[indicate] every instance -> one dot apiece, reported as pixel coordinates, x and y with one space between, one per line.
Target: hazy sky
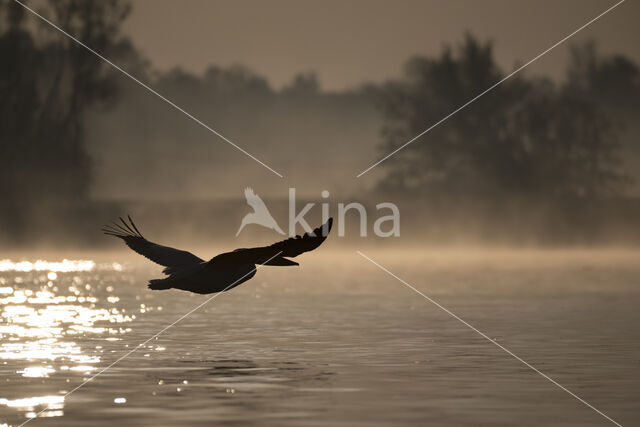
355 41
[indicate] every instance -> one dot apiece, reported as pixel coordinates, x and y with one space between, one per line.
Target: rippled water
333 341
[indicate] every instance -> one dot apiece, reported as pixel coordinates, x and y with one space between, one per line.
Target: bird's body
203 279
188 272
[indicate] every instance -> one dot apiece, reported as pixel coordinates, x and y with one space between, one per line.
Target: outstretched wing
163 255
255 201
286 248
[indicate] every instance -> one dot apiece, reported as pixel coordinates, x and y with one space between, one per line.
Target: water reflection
32 405
65 265
231 375
44 305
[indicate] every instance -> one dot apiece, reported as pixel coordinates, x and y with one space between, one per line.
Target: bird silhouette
260 214
188 272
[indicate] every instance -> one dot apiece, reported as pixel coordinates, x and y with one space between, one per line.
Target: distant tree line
62 111
530 137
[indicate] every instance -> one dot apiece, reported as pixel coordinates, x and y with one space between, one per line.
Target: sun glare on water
44 305
63 266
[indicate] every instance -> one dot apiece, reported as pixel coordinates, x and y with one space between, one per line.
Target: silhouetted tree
303 84
47 84
613 81
526 138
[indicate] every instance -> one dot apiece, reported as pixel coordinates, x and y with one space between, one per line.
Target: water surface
333 341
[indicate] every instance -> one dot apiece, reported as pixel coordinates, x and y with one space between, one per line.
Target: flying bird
188 272
260 214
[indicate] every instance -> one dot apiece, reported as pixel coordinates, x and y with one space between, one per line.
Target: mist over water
538 161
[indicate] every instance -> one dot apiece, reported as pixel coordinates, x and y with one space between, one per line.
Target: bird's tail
159 284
